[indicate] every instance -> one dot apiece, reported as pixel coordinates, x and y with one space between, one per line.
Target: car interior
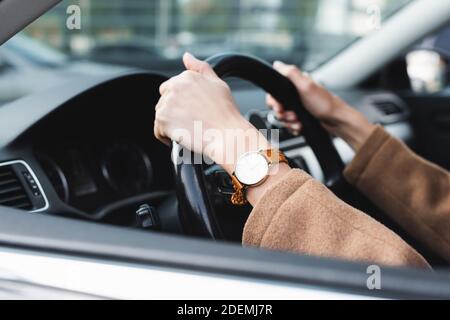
85 151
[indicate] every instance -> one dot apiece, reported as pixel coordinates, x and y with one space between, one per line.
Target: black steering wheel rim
197 212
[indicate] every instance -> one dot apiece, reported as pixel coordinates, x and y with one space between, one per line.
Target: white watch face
252 168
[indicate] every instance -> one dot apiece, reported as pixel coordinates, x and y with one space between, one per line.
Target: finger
284 67
293 128
289 117
169 84
159 135
289 71
163 87
280 112
302 80
194 64
274 104
296 126
161 102
158 129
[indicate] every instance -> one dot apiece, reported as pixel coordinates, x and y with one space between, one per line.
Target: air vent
388 108
19 187
12 192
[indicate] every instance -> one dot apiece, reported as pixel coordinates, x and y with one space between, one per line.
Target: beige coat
300 215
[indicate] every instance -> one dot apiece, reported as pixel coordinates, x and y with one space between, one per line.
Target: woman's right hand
336 116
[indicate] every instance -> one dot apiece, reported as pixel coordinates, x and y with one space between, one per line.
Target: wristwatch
252 170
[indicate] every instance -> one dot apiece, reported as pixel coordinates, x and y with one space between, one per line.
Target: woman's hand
336 116
198 111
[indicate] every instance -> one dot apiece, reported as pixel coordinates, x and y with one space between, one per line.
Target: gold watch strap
275 156
239 197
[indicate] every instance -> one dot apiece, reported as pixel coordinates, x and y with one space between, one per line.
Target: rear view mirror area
427 71
428 63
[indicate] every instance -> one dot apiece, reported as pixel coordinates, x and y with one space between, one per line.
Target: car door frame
71 239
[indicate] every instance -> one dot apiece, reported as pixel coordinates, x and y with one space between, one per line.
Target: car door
104 261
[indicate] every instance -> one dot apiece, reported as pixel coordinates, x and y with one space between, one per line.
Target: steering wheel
196 210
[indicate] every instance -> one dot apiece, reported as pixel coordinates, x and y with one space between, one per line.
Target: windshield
35 51
155 33
78 38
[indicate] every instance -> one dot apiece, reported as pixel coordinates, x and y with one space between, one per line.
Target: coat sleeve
412 191
300 215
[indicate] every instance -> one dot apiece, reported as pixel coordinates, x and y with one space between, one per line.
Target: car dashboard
91 149
88 150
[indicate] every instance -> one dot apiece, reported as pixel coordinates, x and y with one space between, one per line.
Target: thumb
193 64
